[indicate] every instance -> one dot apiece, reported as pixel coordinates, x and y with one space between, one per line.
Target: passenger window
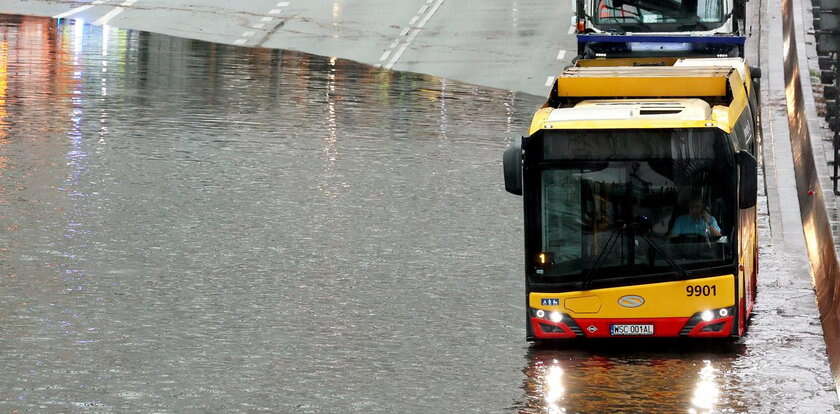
744 130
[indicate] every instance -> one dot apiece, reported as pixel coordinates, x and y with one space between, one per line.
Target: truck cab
683 19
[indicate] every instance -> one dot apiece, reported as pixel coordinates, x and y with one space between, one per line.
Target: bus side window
738 134
744 130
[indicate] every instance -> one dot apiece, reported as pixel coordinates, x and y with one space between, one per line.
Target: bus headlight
551 315
708 318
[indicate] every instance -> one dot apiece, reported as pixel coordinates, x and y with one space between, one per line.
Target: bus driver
698 222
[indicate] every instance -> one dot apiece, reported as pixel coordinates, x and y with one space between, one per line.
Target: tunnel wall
815 224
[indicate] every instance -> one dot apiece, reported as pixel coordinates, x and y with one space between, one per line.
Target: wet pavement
191 227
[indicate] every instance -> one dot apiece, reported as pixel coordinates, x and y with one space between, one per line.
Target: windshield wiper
636 26
694 26
674 265
615 235
642 228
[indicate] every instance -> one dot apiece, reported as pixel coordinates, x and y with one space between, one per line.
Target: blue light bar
719 40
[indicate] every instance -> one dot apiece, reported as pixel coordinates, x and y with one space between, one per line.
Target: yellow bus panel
657 300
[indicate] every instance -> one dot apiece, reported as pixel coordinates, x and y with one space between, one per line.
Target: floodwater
190 227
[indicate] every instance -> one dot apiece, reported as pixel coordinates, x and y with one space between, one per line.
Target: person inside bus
698 222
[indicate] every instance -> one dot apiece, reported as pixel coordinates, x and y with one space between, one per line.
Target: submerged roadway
196 227
490 43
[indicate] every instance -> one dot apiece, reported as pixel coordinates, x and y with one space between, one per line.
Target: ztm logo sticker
631 301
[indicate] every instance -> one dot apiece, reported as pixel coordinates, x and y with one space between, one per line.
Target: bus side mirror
512 160
755 72
748 181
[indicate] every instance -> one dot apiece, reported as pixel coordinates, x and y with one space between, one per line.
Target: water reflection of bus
639 187
633 378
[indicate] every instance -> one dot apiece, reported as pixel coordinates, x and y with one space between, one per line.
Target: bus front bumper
696 326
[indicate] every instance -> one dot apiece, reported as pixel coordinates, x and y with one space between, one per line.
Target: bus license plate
631 330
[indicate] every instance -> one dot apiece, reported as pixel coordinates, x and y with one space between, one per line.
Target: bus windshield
633 202
658 15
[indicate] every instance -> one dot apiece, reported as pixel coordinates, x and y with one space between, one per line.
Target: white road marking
549 81
429 12
77 10
384 55
429 16
561 54
72 12
572 29
113 13
243 39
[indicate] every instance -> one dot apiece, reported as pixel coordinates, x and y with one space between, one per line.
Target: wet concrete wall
815 224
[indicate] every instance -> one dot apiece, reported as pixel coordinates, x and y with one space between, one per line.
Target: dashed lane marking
248 35
113 13
407 35
80 9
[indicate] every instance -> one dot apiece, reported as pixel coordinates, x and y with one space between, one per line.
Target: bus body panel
681 298
671 309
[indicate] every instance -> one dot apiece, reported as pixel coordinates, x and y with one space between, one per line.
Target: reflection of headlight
555 316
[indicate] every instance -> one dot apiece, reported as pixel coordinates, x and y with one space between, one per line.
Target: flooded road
191 227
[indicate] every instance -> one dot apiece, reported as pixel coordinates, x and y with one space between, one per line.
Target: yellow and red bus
639 186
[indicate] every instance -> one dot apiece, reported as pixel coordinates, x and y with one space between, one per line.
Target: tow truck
618 28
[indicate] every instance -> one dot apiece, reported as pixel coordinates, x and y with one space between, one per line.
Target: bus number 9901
701 290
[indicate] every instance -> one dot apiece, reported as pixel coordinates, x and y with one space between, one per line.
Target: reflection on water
553 387
626 377
195 227
706 392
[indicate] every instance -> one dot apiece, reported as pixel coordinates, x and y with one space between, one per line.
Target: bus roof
586 91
